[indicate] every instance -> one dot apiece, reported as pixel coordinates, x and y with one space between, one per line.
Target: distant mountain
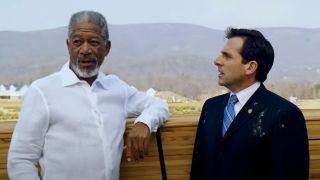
165 56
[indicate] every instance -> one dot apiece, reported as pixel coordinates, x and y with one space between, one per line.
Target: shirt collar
244 95
103 80
70 78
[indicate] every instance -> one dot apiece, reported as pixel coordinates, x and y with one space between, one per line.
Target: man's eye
76 42
227 56
95 43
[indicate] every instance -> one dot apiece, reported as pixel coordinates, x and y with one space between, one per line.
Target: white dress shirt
75 130
244 95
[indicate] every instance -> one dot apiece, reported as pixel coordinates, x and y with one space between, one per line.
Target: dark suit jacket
267 140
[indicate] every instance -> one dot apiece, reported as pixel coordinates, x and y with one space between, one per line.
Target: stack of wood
177 137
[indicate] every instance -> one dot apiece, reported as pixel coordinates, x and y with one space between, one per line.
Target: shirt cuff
149 121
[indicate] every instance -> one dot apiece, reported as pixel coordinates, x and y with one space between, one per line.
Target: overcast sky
25 15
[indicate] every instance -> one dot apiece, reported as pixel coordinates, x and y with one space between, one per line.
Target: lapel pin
250 111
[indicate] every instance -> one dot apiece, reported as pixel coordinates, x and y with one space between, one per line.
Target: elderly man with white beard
72 122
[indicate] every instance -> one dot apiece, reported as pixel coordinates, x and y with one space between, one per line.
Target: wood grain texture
177 136
149 168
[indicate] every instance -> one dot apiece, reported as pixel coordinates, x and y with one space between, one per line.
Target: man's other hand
137 142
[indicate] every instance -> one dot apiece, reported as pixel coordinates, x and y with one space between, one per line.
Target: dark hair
255 48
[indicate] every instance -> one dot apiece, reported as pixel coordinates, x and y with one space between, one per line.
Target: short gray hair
92 17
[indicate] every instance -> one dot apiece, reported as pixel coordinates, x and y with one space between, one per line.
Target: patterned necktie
229 113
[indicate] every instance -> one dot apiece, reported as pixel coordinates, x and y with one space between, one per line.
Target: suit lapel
215 117
253 106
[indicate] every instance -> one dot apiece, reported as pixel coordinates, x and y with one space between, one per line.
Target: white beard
85 73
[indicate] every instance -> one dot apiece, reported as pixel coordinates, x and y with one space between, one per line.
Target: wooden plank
177 142
149 168
311 113
182 121
313 127
315 175
177 136
7 126
4 174
314 149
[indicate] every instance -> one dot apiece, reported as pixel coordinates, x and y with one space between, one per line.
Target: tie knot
233 99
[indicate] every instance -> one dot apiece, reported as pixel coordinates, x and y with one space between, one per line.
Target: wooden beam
177 136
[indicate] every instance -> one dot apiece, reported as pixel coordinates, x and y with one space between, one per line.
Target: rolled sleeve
149 110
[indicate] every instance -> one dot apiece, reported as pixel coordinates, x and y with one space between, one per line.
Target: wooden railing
177 137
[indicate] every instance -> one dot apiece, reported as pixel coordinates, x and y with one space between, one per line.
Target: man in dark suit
249 133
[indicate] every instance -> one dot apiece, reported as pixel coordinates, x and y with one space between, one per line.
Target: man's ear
107 47
68 44
251 67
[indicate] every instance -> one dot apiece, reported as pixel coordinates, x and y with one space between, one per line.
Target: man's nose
217 61
86 49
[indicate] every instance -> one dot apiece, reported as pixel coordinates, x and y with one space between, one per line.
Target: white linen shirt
75 130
